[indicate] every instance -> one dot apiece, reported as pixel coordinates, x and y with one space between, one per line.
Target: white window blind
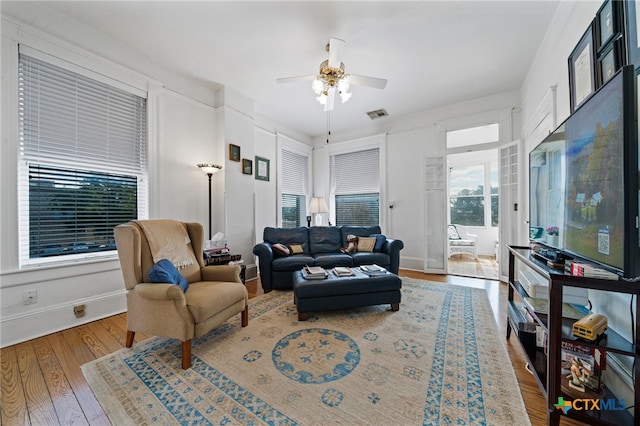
295 171
355 183
82 169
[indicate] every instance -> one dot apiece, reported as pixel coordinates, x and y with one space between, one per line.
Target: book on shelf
582 365
373 270
343 271
580 269
569 310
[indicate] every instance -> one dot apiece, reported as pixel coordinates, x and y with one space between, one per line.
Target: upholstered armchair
214 293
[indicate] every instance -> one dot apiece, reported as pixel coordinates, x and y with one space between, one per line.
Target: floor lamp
210 170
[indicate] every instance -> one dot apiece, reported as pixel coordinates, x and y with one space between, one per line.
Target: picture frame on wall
247 166
610 61
234 152
582 76
607 24
632 23
262 168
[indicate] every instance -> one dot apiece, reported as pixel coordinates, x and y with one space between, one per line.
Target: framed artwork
607 25
632 23
234 152
582 77
610 61
247 167
262 168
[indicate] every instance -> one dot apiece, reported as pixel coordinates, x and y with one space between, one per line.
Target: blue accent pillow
165 272
380 240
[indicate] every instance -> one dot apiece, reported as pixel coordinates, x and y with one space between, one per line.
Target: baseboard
26 326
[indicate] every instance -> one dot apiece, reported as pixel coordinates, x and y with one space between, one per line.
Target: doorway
472 214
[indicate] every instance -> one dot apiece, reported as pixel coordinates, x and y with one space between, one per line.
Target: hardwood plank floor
42 383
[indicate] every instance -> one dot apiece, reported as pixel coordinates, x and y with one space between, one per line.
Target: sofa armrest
392 248
265 257
227 273
159 291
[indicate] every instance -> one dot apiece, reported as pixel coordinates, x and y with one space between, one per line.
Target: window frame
285 143
23 205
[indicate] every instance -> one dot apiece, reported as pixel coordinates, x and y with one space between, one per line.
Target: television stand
545 364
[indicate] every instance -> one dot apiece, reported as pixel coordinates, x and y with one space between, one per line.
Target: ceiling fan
331 78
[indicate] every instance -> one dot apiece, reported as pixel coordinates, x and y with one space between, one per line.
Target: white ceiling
432 53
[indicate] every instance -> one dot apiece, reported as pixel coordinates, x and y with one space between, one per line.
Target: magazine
343 271
373 270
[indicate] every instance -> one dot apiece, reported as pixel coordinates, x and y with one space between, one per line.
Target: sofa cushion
292 263
358 231
286 236
295 248
280 249
324 239
366 243
380 240
377 258
330 260
164 271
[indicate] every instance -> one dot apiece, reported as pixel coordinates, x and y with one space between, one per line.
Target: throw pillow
296 248
280 249
165 272
380 240
366 243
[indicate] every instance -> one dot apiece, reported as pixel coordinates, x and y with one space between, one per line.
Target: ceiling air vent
379 113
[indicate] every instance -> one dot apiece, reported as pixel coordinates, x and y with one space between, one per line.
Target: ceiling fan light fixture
343 84
322 99
345 96
317 86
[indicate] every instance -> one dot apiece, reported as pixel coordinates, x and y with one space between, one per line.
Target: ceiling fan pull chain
328 125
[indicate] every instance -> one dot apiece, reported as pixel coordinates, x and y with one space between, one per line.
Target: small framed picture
234 152
247 167
262 168
582 77
610 61
607 24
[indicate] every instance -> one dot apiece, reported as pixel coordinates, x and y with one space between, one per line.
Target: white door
509 204
435 202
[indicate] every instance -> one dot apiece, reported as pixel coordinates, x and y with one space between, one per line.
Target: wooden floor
42 383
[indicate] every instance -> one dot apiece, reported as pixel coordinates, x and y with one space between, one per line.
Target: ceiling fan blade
335 52
361 80
296 79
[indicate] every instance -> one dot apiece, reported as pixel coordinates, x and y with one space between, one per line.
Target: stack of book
314 273
343 271
373 270
580 269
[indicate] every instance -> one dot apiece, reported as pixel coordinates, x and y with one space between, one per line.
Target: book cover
342 271
569 310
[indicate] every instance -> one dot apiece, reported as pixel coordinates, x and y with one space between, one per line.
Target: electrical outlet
78 311
30 297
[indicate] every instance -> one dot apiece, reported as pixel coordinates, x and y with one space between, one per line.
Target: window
355 183
469 203
295 170
82 167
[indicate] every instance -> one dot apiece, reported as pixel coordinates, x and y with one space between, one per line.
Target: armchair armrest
160 291
228 273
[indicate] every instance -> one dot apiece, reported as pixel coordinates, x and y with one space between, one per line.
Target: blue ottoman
336 292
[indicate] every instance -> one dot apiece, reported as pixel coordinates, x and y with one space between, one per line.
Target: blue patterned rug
439 360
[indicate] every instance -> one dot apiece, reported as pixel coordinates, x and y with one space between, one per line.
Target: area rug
439 360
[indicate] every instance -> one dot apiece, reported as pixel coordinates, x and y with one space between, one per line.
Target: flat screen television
583 181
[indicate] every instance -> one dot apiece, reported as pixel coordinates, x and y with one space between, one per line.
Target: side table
225 259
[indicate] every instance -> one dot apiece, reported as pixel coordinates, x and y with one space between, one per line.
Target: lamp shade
209 169
318 205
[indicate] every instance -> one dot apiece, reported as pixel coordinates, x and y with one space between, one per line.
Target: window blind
295 171
82 168
355 181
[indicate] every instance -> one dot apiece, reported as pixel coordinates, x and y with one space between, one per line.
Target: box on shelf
538 288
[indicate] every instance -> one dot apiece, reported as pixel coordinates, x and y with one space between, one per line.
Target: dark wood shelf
547 366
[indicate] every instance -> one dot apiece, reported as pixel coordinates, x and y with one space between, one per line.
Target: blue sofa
321 247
